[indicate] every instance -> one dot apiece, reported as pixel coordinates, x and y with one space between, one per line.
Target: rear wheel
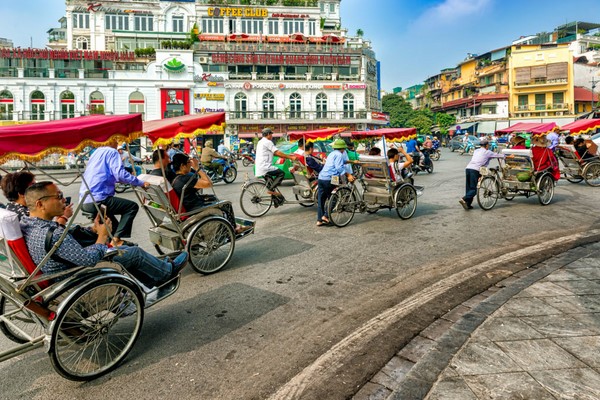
429 167
435 155
487 193
22 321
254 200
545 189
96 329
340 207
230 175
591 174
210 245
405 199
246 162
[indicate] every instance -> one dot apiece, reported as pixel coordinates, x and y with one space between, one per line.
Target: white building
282 66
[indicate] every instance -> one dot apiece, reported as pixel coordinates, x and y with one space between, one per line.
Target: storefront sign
207 110
209 78
77 55
237 12
174 102
210 96
280 15
379 116
347 86
215 84
174 65
332 86
137 12
279 59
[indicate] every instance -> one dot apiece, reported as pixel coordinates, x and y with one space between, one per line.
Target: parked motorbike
229 172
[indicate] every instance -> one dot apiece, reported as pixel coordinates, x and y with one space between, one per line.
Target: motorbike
416 166
229 172
248 159
468 148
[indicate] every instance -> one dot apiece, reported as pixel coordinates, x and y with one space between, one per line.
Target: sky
413 39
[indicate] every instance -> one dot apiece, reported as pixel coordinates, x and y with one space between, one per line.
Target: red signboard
379 116
67 54
174 102
279 59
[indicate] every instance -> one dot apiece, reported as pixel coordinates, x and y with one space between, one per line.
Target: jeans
146 268
471 185
127 209
274 178
323 194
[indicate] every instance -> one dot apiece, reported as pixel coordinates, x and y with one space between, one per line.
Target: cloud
452 11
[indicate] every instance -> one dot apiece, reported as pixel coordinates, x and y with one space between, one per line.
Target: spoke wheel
254 200
405 199
304 202
357 170
591 173
435 156
23 320
211 244
230 175
96 329
429 168
545 189
487 193
340 207
246 162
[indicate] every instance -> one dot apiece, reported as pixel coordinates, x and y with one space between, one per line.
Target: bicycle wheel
96 328
545 189
357 170
22 320
405 199
246 162
230 175
340 207
487 193
435 155
211 244
591 174
254 200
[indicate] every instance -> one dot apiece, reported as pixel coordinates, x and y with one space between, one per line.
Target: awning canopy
32 142
391 134
582 126
311 136
534 128
486 127
163 131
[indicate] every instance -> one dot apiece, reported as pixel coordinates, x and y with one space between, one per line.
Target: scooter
416 166
248 159
229 172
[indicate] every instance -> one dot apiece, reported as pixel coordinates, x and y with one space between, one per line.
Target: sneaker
178 263
464 204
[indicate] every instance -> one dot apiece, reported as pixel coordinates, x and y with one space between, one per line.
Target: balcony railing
542 81
36 73
298 115
96 73
542 107
67 73
275 47
8 72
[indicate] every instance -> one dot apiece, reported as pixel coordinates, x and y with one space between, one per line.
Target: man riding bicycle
265 150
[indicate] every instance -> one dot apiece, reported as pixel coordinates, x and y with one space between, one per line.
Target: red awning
211 38
310 136
534 128
391 134
298 37
32 142
582 126
163 131
332 39
278 39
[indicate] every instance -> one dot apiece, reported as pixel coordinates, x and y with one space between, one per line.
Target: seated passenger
543 158
586 149
45 201
518 143
192 197
375 151
14 186
313 161
398 168
159 157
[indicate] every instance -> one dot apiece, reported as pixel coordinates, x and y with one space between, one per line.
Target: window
116 22
177 23
241 105
321 105
295 105
81 20
293 26
273 26
558 100
252 26
67 105
212 25
268 100
312 27
136 103
144 23
38 106
348 102
523 102
540 101
81 43
331 7
6 105
96 105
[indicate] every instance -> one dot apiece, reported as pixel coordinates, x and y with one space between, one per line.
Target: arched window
81 43
96 105
38 106
136 103
241 105
268 103
295 105
321 105
67 104
6 105
348 105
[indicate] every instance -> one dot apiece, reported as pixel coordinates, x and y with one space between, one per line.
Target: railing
276 47
543 81
242 77
66 73
96 73
298 115
36 73
542 107
8 72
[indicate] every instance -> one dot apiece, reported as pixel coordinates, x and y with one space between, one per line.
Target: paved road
293 291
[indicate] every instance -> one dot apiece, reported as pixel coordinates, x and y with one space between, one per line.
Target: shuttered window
558 70
522 75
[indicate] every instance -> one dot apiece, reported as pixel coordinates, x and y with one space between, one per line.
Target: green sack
524 176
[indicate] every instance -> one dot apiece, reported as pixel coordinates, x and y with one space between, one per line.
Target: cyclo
576 169
90 319
376 189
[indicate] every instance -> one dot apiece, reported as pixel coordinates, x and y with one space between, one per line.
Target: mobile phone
103 210
68 200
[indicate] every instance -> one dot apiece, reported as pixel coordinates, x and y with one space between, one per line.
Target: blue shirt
335 165
103 171
411 146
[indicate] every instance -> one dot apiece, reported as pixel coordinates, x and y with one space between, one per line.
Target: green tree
359 32
399 110
422 122
444 121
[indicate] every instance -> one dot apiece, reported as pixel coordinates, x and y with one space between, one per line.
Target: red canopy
535 128
32 142
582 126
298 37
163 131
311 136
391 134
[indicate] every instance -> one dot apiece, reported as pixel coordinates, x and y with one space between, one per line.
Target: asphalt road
294 291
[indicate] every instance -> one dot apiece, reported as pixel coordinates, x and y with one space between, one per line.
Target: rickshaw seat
10 232
376 175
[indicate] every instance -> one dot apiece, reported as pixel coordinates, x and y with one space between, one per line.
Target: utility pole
594 84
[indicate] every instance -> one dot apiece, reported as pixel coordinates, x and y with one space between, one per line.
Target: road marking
322 368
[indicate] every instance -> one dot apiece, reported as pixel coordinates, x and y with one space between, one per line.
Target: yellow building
540 80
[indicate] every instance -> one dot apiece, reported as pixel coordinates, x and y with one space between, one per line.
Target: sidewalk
535 335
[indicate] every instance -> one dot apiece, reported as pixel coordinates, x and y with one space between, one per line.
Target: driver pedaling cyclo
265 150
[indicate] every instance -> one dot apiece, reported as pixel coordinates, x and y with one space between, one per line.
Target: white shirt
264 157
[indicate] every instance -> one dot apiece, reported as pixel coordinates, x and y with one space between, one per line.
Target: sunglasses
58 196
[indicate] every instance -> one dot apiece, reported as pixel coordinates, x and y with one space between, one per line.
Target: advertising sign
174 102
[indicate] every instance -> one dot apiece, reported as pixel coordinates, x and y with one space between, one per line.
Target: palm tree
359 32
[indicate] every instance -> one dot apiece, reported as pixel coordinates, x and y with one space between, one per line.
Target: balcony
36 73
67 73
542 82
96 73
325 116
8 72
332 49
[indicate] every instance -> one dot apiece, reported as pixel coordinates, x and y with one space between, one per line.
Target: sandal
321 223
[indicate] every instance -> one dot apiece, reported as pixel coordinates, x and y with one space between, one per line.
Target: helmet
123 146
208 143
221 141
339 144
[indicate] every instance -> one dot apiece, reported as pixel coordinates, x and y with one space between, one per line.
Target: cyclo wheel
573 178
254 200
591 174
304 202
545 189
487 193
405 199
230 175
340 207
22 319
357 170
96 328
211 244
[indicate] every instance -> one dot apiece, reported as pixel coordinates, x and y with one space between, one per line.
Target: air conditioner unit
203 60
361 127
